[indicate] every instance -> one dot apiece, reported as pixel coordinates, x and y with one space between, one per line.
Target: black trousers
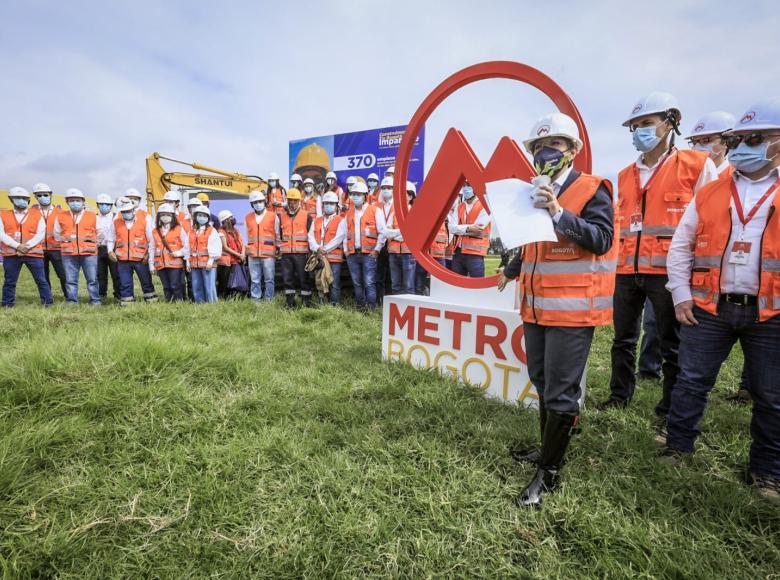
54 258
631 290
383 282
106 267
294 274
557 356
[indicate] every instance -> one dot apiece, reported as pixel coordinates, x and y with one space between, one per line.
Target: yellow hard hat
312 156
203 196
294 194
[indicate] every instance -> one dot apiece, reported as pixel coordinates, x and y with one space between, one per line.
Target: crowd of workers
691 239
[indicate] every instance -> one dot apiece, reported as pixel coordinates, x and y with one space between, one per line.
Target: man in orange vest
326 238
76 231
471 230
293 243
400 258
362 246
724 276
653 193
384 206
262 230
566 291
22 230
51 248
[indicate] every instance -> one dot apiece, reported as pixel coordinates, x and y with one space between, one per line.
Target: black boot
290 300
533 454
307 300
557 434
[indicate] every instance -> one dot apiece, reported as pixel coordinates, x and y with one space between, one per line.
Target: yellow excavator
219 184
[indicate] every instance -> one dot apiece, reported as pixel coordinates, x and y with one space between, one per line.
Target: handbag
239 278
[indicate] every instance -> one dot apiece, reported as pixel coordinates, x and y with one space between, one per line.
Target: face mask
296 184
372 184
467 192
645 139
329 209
76 205
273 183
357 200
706 147
308 189
21 203
202 219
104 208
44 199
549 161
128 215
259 206
387 194
749 159
330 181
165 219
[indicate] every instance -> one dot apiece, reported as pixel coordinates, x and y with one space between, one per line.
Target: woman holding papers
566 291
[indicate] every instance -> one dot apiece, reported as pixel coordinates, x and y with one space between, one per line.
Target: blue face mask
259 206
357 200
372 183
645 139
750 159
128 215
467 192
76 205
104 208
202 219
329 209
549 161
44 200
20 202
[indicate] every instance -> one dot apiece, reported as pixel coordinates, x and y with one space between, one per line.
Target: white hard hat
387 182
132 192
73 192
330 175
124 204
104 198
225 214
373 176
193 201
655 102
41 188
553 125
713 123
166 208
351 180
308 181
273 175
330 197
202 209
256 196
19 192
390 169
762 115
360 187
411 187
295 177
172 196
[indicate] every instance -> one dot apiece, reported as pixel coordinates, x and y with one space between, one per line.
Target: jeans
362 270
650 349
12 267
703 348
402 267
54 258
334 294
261 274
104 268
383 282
468 264
204 285
172 280
126 269
631 291
73 264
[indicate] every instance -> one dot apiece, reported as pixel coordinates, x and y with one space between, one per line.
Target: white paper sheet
514 215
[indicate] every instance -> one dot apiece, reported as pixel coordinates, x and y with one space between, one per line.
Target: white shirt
213 245
21 217
183 253
458 229
385 219
735 278
708 173
103 223
556 187
315 237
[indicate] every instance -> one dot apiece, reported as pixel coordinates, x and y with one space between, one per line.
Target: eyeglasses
751 140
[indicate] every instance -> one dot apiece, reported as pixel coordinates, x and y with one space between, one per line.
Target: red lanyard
650 181
738 203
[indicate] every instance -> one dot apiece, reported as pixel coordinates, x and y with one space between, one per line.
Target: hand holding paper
512 208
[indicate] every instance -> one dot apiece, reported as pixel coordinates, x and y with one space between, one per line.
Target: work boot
767 487
307 302
558 431
533 454
290 300
659 427
612 404
673 457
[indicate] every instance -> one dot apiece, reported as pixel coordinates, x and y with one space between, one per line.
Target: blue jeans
126 269
650 350
204 284
362 269
703 348
261 274
173 283
335 288
402 267
12 267
468 265
72 265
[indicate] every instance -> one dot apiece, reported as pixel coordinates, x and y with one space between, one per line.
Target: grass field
239 441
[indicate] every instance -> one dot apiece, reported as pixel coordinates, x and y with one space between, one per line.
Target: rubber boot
290 300
557 433
533 454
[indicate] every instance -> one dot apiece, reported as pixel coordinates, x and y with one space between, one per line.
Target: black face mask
549 161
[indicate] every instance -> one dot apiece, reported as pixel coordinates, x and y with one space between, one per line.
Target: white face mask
387 194
308 189
166 219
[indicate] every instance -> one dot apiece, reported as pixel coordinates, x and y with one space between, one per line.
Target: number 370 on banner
354 162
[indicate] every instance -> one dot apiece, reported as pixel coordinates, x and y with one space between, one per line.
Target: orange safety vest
310 205
21 232
261 235
394 246
276 195
713 204
438 249
476 245
294 234
131 245
184 221
562 283
49 243
199 246
163 256
228 259
372 197
367 227
659 206
78 239
325 237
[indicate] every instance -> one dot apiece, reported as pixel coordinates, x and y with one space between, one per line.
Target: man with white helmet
362 246
277 195
233 253
707 135
400 258
311 202
326 238
104 220
135 198
262 230
372 181
724 276
653 193
470 227
384 284
76 231
22 231
51 247
566 291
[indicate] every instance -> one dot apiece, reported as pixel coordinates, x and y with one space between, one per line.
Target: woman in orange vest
362 246
277 195
233 252
51 247
128 245
566 291
170 250
326 238
76 231
262 229
332 185
724 276
471 235
22 230
293 243
311 201
205 250
653 193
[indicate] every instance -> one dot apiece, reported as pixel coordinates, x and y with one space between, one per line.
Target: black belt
741 299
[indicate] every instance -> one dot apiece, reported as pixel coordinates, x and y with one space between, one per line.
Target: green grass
239 441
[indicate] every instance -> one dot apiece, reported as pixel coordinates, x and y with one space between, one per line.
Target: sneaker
766 486
612 404
673 457
660 431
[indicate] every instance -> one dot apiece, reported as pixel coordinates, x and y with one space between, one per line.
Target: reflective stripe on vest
367 227
472 244
131 245
395 246
438 247
78 239
326 236
261 236
49 242
163 258
294 236
21 232
199 247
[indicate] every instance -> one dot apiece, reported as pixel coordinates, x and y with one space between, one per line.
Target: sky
89 89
